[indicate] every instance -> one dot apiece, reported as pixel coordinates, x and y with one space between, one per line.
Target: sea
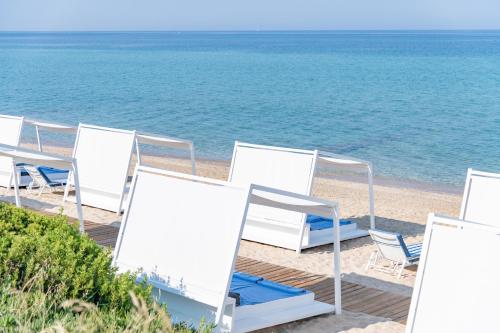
422 106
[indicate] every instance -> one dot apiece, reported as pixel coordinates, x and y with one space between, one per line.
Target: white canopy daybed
456 288
23 155
291 170
104 156
183 233
10 134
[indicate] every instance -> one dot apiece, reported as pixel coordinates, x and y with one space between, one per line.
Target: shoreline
398 183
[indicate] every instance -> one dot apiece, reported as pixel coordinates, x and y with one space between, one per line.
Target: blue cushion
48 173
414 250
319 223
256 290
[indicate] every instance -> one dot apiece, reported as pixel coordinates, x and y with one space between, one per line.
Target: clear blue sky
248 14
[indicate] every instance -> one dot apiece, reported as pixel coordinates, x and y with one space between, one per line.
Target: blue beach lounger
392 247
45 177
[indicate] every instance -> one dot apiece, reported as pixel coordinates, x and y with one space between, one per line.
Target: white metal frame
93 194
50 127
23 155
265 230
6 175
456 288
165 141
193 300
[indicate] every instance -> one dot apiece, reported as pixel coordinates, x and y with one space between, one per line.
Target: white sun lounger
291 170
165 141
104 156
481 199
183 233
393 248
23 155
10 134
457 289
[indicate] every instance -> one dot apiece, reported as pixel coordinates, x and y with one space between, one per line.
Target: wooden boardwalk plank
355 297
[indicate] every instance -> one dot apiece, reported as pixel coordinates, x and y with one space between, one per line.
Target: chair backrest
281 168
10 134
183 232
390 245
104 156
481 199
456 288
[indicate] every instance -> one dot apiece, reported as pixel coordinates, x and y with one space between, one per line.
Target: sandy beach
397 209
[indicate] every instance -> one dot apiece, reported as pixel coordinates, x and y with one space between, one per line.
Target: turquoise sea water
420 105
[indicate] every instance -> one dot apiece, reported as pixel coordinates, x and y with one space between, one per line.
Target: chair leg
372 260
401 270
41 190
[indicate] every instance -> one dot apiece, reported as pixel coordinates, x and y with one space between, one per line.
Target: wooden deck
355 297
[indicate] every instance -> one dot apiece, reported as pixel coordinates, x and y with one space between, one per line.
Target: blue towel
319 223
256 290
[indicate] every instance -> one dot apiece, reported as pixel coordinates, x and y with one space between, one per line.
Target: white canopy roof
480 202
165 141
457 286
53 127
104 156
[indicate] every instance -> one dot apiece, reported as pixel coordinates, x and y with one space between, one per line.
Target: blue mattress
319 223
49 170
253 290
54 176
51 175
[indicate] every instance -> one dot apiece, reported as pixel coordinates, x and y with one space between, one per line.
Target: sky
50 15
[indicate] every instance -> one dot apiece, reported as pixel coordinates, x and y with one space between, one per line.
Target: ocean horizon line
252 30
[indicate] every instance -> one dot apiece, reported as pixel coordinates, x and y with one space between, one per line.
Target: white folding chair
392 248
42 181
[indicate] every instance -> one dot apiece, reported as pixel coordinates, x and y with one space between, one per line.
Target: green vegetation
54 279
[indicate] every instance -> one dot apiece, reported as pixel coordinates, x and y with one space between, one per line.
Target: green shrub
52 253
45 261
